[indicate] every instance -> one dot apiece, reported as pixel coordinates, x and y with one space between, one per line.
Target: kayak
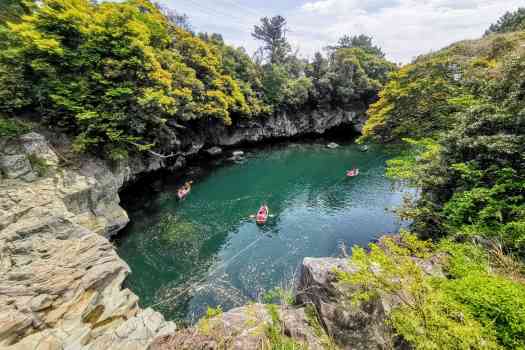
262 215
352 173
183 192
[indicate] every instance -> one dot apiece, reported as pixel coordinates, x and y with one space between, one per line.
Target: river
207 251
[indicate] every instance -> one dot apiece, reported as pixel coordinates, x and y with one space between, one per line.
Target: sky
403 28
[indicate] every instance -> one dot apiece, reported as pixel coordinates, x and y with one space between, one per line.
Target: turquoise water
207 251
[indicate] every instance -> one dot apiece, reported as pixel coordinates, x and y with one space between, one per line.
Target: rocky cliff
60 278
289 125
190 139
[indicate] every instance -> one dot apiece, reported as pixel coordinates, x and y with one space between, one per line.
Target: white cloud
404 28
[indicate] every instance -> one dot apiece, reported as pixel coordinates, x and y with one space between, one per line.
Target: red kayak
352 173
262 215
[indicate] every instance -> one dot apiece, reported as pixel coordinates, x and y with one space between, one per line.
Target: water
206 251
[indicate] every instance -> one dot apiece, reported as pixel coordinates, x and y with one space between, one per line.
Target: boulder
332 145
37 145
214 151
238 154
15 166
351 326
239 329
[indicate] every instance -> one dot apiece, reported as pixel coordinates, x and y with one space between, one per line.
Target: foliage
13 10
509 22
361 41
426 317
416 157
272 32
415 102
117 75
422 98
114 73
39 165
355 73
466 132
496 301
283 296
12 127
213 312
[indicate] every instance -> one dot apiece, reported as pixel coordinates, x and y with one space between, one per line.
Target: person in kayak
184 190
262 214
352 173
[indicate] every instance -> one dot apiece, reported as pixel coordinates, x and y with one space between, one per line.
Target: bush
12 127
113 74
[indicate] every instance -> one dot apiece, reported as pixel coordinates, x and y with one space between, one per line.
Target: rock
60 278
214 151
37 145
352 327
284 125
237 154
239 329
332 145
15 166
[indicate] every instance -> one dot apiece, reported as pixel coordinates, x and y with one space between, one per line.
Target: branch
153 153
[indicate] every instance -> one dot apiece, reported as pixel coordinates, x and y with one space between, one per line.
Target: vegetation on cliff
460 115
117 74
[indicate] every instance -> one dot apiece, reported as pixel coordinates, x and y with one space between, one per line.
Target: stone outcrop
285 125
60 277
351 326
242 328
205 136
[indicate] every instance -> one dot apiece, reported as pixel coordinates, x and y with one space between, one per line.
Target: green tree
272 32
509 22
360 41
112 74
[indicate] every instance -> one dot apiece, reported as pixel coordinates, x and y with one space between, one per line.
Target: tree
272 32
175 18
12 10
361 41
509 22
113 74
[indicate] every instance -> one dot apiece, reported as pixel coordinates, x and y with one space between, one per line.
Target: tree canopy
115 75
509 22
272 32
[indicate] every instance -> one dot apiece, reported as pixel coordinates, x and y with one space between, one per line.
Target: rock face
60 277
288 125
242 328
352 327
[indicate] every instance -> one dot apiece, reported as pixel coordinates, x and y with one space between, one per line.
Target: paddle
253 216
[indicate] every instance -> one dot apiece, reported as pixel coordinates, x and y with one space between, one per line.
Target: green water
207 251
